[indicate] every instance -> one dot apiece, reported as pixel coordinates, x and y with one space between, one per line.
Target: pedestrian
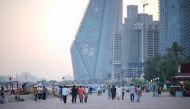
64 94
86 91
74 94
159 91
118 92
2 93
90 90
123 92
60 93
138 93
132 92
80 94
35 93
113 92
39 92
44 93
98 91
109 91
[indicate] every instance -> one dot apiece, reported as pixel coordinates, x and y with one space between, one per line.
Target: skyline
35 36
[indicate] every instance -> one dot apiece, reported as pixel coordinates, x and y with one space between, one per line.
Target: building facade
91 50
142 36
174 24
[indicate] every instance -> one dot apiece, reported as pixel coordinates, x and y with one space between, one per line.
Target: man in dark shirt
113 92
74 94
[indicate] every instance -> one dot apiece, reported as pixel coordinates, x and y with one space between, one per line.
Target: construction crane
144 3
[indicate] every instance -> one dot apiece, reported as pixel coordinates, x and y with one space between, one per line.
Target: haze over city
36 35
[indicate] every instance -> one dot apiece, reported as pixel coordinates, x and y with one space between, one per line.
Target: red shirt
80 91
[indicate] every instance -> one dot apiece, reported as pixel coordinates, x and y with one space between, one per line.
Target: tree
186 60
139 82
152 68
175 51
168 68
165 66
160 66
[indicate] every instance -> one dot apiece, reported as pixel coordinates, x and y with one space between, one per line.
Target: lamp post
63 82
16 76
158 88
158 80
11 85
151 85
154 88
10 78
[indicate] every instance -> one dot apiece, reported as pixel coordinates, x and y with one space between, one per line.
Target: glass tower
174 24
91 50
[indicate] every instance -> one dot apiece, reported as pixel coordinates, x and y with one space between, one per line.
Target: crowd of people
81 91
40 93
114 92
117 92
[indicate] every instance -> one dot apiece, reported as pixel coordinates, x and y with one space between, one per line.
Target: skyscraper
139 29
174 24
91 51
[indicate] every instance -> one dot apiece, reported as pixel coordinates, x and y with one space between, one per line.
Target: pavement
165 101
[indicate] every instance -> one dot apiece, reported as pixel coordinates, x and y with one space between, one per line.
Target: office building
142 36
174 24
92 48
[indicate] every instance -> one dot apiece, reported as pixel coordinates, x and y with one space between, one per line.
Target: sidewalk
101 102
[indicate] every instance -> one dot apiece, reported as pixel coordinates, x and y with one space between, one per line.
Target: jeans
2 99
64 98
138 98
81 99
132 97
123 95
74 97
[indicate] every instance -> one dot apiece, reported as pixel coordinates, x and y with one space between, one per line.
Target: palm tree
187 59
175 51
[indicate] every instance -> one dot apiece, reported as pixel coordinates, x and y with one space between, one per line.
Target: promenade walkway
102 102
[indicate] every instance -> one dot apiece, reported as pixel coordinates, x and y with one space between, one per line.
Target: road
102 102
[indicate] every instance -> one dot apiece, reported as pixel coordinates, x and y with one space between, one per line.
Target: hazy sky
36 35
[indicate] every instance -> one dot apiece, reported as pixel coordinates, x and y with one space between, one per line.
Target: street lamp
10 78
11 85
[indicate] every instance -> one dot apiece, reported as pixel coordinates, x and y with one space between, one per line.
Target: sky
36 35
